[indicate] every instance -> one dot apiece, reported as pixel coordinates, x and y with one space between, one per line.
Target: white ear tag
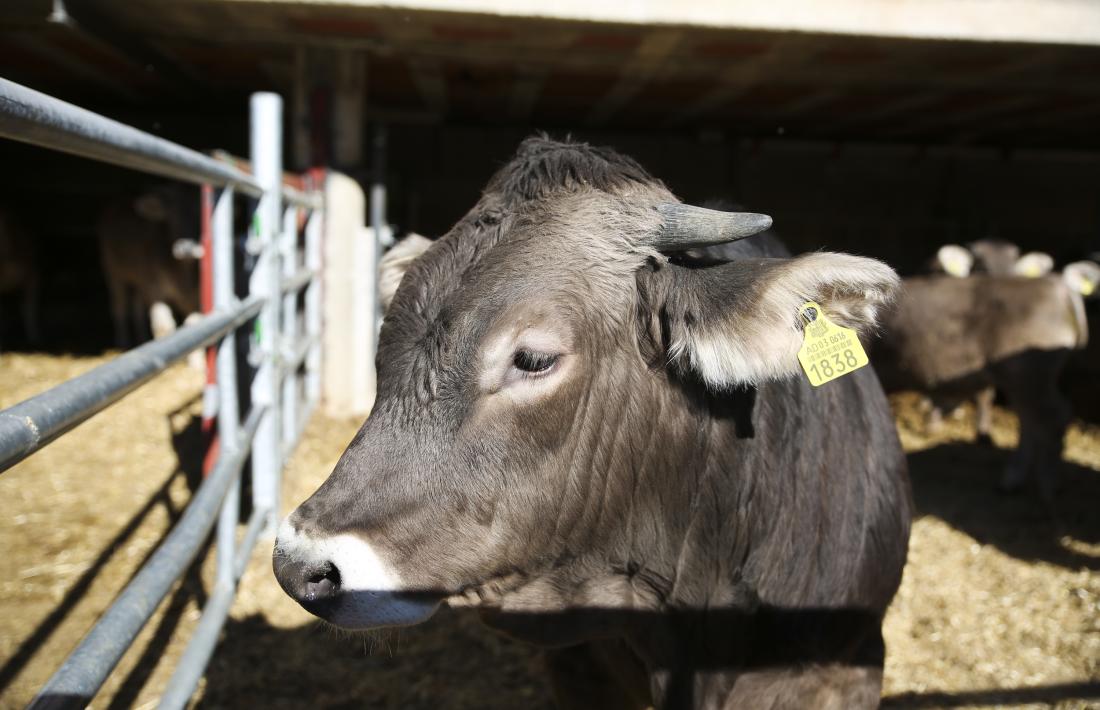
828 350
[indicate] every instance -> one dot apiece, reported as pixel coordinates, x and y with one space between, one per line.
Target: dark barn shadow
453 661
456 663
958 484
997 697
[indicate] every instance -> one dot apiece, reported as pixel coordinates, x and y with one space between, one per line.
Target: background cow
609 448
955 337
19 272
148 250
985 256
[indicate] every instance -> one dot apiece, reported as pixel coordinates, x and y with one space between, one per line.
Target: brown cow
985 256
954 337
148 250
610 449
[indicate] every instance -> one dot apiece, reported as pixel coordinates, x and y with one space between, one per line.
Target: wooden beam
1032 120
37 43
431 84
525 92
937 121
649 59
744 75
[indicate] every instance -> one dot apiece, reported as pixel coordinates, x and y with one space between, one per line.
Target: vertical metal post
267 166
377 214
288 244
229 417
314 262
206 303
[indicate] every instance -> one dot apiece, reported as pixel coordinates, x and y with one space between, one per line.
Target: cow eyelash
532 363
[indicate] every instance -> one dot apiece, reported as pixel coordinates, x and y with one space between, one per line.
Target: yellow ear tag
1032 271
828 350
1086 287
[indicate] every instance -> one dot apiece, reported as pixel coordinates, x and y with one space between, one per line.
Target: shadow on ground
451 662
958 484
186 442
1048 694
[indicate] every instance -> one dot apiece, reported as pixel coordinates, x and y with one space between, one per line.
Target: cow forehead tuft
574 191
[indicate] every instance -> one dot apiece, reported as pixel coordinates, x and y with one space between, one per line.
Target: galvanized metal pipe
83 673
288 247
196 656
297 281
204 640
267 165
243 554
294 355
33 423
378 213
308 200
314 260
32 117
229 417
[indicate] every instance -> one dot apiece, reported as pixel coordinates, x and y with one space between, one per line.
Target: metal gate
283 246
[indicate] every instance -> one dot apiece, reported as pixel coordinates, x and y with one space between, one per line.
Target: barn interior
886 135
870 126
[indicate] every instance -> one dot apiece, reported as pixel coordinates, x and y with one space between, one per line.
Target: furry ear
1082 276
395 262
954 260
1033 265
737 323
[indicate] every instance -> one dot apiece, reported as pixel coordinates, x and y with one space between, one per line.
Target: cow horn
688 227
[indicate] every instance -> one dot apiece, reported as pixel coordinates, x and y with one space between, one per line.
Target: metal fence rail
284 292
28 426
88 666
32 117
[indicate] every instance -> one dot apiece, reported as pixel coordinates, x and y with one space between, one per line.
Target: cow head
1083 277
531 437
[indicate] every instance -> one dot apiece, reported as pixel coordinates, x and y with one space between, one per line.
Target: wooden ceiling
560 75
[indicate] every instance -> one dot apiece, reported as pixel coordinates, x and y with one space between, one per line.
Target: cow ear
1082 276
396 262
737 323
1033 265
955 260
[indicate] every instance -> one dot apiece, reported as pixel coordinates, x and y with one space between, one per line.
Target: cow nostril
323 584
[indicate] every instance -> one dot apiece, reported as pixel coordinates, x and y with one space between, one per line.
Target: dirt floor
1000 604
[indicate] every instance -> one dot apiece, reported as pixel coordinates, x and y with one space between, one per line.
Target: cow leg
118 295
139 317
983 405
161 319
1055 415
1031 383
1019 463
933 418
597 675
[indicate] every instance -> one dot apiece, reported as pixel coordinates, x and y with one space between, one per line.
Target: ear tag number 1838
828 350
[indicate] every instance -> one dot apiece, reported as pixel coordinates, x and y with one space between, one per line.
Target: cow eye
532 362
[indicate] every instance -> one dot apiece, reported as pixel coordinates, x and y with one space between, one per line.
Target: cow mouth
343 580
